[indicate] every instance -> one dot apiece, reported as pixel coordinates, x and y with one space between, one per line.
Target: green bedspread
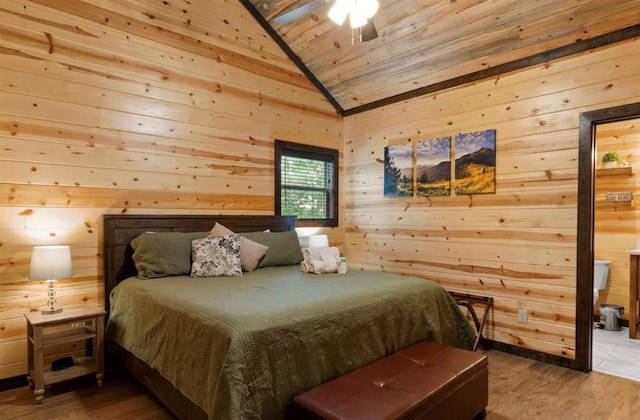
242 347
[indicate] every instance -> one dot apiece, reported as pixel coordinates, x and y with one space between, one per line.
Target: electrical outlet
523 315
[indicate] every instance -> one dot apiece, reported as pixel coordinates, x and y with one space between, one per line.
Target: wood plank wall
617 224
147 107
133 106
517 245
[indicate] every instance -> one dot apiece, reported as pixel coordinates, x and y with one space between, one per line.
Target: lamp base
52 308
51 311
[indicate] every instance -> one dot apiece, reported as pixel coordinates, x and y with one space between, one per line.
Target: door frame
584 259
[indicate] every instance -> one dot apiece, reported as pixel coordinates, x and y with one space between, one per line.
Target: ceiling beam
285 47
575 48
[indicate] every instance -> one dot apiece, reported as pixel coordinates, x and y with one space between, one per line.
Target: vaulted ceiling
426 45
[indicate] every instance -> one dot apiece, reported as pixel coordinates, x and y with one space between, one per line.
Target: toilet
600 276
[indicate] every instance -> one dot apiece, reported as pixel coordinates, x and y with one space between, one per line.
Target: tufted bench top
424 381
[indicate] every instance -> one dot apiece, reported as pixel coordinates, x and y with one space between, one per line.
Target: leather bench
423 381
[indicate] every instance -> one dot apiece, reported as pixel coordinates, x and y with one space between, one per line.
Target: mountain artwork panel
475 162
398 170
433 172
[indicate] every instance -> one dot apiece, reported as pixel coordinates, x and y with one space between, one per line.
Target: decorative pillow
250 251
162 254
284 247
216 256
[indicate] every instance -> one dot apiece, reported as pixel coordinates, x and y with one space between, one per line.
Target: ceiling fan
360 13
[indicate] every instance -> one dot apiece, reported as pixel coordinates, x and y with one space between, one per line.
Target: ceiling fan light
339 11
358 19
368 7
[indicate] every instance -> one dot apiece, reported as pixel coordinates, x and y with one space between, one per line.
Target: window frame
286 148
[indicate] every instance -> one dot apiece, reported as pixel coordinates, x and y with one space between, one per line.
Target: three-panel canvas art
429 174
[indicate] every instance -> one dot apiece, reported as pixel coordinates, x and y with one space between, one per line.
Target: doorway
616 231
585 237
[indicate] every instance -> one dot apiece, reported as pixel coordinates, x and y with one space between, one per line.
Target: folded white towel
310 254
320 260
315 267
305 266
315 254
329 259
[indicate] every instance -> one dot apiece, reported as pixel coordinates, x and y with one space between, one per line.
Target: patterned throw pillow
216 256
250 252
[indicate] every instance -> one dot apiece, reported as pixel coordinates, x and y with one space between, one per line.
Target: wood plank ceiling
425 45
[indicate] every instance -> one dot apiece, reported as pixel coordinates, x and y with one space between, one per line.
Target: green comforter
242 347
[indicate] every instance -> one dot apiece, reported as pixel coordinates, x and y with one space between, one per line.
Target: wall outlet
523 316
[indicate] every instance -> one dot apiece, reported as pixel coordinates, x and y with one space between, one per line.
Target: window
307 183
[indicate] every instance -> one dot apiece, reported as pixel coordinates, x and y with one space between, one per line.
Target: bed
242 347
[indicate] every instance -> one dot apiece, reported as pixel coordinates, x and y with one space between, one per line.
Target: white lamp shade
357 19
368 7
339 11
318 241
50 263
359 11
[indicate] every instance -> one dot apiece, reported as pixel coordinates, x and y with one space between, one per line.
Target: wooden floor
518 389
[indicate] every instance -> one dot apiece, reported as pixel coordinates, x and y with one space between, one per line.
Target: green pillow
162 254
284 247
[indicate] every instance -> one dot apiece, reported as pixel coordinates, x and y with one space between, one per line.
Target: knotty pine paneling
423 43
519 244
454 105
617 225
140 107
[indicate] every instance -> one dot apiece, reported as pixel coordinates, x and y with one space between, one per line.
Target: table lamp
51 263
318 241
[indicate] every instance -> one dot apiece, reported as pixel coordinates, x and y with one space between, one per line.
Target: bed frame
119 230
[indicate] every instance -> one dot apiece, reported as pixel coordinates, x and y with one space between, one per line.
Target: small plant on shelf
610 159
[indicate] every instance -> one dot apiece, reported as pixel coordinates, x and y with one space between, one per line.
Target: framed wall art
433 167
398 170
475 162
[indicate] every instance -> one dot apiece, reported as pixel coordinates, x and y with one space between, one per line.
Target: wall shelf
606 204
610 204
615 171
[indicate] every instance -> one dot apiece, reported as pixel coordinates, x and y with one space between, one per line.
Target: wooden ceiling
427 45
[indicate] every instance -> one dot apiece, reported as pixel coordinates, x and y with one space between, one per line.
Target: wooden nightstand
71 325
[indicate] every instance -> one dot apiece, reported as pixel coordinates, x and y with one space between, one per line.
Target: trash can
611 317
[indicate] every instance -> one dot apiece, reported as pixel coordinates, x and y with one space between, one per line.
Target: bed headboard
120 229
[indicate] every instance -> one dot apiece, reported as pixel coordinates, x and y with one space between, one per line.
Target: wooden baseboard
530 354
14 382
536 355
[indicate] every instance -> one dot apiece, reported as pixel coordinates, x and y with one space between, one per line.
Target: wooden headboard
120 229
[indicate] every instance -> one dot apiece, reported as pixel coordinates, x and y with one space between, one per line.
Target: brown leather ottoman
423 381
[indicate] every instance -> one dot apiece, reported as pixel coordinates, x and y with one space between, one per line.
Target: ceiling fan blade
295 14
368 31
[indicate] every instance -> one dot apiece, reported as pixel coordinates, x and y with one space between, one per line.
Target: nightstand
72 325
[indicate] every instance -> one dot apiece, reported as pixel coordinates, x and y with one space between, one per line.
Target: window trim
286 148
